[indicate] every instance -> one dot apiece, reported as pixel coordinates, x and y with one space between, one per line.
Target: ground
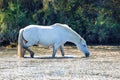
103 64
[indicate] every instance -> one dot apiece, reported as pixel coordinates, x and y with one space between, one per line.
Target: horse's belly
46 42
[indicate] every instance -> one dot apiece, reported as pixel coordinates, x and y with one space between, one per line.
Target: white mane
62 26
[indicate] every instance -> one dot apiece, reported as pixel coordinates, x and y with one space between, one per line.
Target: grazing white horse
55 35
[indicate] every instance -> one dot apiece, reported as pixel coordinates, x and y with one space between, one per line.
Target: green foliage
98 21
11 35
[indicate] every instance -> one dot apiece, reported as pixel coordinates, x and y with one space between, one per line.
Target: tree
95 20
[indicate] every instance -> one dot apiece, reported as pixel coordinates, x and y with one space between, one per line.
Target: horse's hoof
32 55
87 55
53 56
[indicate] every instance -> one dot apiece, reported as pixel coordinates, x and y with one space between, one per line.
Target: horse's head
83 47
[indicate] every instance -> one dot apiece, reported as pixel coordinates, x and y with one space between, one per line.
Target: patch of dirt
103 64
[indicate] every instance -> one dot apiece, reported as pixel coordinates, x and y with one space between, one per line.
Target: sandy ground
103 64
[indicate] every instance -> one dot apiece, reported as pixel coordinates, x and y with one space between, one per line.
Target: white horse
55 35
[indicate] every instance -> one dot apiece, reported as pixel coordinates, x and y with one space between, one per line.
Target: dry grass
103 64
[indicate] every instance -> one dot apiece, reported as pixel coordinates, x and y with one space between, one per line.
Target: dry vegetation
103 64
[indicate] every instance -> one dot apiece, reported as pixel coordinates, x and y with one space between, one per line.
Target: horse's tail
20 44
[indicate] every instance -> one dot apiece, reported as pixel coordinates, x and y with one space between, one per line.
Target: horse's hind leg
31 52
26 46
62 50
24 50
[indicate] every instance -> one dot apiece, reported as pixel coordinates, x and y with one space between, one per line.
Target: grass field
103 64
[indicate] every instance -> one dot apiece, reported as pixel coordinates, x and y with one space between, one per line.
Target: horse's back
54 27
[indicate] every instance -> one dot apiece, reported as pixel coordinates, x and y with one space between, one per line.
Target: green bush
97 21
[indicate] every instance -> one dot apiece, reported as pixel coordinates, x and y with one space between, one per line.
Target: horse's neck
74 38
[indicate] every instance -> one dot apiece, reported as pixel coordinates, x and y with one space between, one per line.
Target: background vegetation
98 21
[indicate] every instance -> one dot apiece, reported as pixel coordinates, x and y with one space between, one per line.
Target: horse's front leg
26 47
62 50
55 48
54 51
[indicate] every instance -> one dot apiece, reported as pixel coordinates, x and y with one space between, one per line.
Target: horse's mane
62 25
66 27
